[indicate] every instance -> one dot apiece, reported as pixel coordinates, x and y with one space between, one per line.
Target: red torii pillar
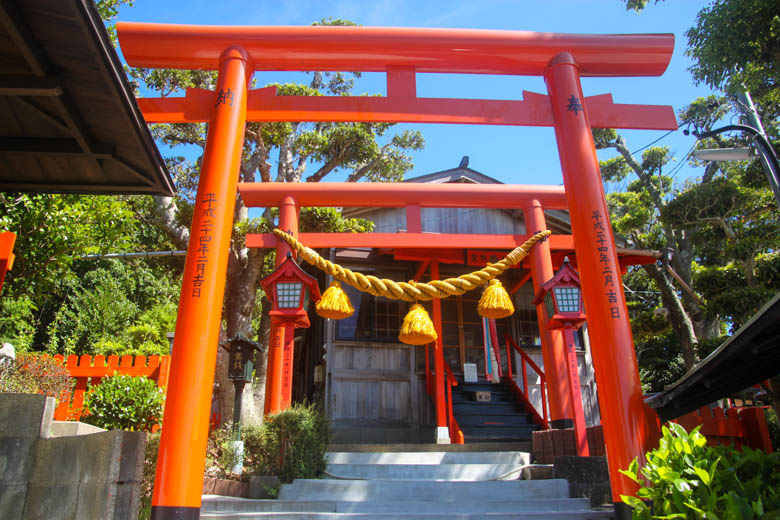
188 402
612 347
553 347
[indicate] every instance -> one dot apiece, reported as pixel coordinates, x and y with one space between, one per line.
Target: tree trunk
681 323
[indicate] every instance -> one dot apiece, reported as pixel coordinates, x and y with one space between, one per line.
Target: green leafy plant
290 444
34 373
124 403
685 478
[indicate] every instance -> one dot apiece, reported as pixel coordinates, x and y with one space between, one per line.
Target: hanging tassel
335 303
495 302
417 328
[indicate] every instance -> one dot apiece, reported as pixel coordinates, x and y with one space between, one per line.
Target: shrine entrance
401 53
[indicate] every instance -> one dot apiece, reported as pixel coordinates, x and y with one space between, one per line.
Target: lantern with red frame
562 300
286 288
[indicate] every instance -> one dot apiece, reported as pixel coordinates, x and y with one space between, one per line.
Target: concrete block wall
95 476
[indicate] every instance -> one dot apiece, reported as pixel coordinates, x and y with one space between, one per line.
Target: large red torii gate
236 52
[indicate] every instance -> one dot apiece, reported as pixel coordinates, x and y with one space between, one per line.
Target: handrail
523 393
456 434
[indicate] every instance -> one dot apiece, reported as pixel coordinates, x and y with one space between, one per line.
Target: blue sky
522 155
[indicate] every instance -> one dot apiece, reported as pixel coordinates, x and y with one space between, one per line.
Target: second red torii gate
236 52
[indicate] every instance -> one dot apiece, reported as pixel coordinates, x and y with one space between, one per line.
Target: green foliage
751 60
33 373
290 444
17 321
124 403
116 308
53 229
685 478
147 481
774 428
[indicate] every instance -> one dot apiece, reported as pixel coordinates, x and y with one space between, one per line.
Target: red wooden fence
737 427
85 370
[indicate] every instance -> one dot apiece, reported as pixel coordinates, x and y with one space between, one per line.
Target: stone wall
79 477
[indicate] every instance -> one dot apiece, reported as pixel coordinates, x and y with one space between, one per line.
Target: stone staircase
502 419
414 485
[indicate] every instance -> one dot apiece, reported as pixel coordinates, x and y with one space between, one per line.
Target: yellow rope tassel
417 328
413 291
335 303
495 302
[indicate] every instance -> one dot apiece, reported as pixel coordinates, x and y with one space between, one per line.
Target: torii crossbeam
236 52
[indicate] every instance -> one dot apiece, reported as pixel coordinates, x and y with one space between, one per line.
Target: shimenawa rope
413 291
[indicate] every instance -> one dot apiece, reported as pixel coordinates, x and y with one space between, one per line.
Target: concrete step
566 515
429 457
423 490
456 472
243 505
424 448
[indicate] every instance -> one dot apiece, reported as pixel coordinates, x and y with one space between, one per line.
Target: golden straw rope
413 291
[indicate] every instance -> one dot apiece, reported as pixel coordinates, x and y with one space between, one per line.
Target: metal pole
614 360
182 456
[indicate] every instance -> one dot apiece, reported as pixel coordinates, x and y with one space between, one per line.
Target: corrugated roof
69 121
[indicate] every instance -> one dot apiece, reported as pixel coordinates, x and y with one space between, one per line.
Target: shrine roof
748 357
69 121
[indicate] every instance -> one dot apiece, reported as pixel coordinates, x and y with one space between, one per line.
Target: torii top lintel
381 49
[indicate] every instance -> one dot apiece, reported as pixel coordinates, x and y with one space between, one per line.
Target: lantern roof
241 340
290 269
566 275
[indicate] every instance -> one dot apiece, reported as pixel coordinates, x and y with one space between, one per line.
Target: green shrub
147 482
773 425
124 403
34 373
687 479
290 444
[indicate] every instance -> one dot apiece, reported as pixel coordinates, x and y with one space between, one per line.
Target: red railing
523 393
456 435
85 370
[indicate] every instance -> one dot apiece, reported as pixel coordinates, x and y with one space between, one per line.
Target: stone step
470 397
454 472
429 457
514 419
491 408
407 506
483 386
423 490
494 433
429 447
566 515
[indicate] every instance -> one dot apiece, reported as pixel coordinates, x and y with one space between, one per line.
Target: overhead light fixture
724 154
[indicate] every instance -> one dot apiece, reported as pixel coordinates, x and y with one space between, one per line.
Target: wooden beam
48 187
410 240
46 146
23 38
41 112
29 86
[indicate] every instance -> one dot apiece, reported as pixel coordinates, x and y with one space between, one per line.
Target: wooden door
372 386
